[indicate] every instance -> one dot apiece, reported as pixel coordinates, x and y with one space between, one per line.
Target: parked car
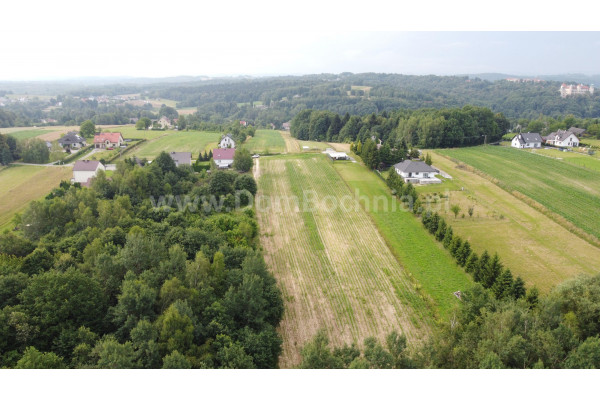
256 156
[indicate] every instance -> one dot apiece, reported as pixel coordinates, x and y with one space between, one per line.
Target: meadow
591 162
524 237
571 191
20 184
333 266
192 141
436 274
265 141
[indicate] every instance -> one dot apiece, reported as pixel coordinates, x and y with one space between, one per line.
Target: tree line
467 126
117 276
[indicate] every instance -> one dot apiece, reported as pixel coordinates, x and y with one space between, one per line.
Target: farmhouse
84 170
72 140
164 122
417 172
576 131
223 157
527 140
108 139
286 126
227 142
562 138
181 158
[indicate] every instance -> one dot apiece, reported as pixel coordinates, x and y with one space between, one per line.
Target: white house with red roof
107 140
84 170
223 157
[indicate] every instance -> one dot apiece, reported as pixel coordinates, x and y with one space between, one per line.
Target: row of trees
9 150
486 270
429 128
116 276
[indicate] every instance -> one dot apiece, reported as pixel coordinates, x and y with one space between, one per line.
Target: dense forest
121 275
278 99
422 128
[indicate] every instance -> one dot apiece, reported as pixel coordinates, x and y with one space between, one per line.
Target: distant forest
278 99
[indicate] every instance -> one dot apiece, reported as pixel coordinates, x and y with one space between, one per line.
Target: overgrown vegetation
101 278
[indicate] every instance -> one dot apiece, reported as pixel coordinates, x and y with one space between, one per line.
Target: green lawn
265 142
312 145
572 157
568 190
192 141
424 258
28 133
19 184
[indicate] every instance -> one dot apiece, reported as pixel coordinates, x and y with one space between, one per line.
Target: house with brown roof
107 140
223 157
85 170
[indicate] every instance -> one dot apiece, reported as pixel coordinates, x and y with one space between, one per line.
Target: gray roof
576 131
181 158
529 137
414 166
70 138
85 165
559 135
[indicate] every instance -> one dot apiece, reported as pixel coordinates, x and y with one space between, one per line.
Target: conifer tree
472 263
463 253
455 245
448 236
493 271
518 289
502 288
482 266
441 230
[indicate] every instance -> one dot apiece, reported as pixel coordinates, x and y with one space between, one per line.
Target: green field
265 142
571 157
192 141
312 145
20 184
568 190
333 266
417 250
524 237
28 133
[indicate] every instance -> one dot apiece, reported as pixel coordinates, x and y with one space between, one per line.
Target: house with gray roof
529 140
417 172
227 142
72 140
85 170
181 158
576 131
562 138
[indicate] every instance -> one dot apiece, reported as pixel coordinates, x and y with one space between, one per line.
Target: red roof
112 137
223 154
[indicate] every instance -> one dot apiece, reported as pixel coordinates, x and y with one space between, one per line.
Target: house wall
223 163
417 175
227 142
570 141
83 176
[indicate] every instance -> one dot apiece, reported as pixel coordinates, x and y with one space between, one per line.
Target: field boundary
569 226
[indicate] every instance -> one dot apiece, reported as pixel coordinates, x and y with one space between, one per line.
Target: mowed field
265 141
436 273
529 243
20 184
568 190
192 141
334 268
571 157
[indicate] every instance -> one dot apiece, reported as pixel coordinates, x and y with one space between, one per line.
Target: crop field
291 144
265 141
432 266
524 238
591 162
20 184
568 190
192 141
312 145
333 266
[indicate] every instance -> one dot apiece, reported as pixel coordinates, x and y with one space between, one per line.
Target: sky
117 38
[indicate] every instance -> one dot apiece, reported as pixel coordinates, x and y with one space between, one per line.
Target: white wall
227 142
223 163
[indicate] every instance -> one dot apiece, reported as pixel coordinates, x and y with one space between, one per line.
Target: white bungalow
529 140
417 172
84 170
